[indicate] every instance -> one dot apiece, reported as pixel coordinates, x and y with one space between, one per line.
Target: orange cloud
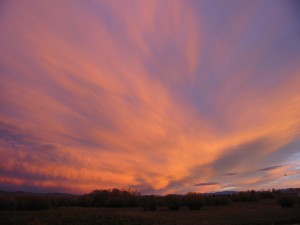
144 94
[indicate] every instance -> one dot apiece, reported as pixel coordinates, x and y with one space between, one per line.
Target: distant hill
295 191
291 191
222 193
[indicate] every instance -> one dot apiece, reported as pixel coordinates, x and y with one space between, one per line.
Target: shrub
194 201
287 201
173 201
8 202
114 202
218 200
149 202
64 201
245 196
33 202
85 201
266 195
38 203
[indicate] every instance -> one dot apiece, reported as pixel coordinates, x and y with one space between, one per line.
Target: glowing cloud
154 95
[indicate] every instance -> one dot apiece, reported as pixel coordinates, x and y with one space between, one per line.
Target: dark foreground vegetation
129 207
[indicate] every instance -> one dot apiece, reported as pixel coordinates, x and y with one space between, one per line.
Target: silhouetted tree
99 197
245 196
114 198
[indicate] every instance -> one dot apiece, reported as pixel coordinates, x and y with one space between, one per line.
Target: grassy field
237 213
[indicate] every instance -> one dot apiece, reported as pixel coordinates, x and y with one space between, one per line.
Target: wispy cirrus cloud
152 95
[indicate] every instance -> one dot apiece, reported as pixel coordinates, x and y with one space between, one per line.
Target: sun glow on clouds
163 96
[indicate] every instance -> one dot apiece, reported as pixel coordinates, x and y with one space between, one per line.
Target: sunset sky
163 96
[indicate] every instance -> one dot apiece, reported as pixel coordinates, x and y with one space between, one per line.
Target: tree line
115 198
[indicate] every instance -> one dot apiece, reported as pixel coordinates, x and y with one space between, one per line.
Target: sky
160 96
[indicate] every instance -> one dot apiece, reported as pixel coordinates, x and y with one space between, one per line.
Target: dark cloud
270 168
32 188
230 174
207 184
295 9
292 173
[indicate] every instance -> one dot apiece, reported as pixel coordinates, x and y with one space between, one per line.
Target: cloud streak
270 168
207 184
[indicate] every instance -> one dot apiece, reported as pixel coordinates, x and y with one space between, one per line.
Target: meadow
259 212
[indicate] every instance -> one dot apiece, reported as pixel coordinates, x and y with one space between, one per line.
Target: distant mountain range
222 193
286 190
58 194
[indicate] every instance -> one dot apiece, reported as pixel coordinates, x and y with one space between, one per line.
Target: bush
266 195
194 201
38 203
218 200
64 201
85 201
173 201
33 202
149 202
114 202
245 196
8 202
286 201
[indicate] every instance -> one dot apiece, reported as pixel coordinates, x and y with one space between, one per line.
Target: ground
265 212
